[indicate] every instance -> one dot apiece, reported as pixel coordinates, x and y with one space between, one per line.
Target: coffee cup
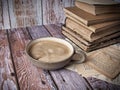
52 53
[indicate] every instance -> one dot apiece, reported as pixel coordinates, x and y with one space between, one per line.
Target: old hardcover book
106 61
93 47
100 2
97 9
96 27
88 34
89 19
87 43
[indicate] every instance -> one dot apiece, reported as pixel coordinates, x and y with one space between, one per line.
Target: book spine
107 9
75 16
93 29
79 29
76 35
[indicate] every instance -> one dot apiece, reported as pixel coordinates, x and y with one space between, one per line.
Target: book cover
89 19
93 47
97 9
88 34
87 43
100 2
96 27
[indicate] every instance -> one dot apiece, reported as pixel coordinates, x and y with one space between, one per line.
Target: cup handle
78 57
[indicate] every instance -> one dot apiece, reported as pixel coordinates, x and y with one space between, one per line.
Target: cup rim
65 42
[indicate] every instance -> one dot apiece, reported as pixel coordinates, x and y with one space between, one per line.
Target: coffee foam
50 51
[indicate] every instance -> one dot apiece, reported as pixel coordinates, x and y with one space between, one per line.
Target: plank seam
29 33
42 10
12 60
2 13
87 83
53 80
48 31
9 14
49 71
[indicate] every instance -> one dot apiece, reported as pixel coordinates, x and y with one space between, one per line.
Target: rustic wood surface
1 15
63 78
29 77
7 74
5 14
22 13
18 73
53 10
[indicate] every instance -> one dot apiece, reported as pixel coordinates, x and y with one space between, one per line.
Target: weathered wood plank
64 79
7 81
1 22
55 30
13 21
39 13
25 13
68 80
38 32
98 84
22 13
5 15
68 3
29 77
33 13
53 11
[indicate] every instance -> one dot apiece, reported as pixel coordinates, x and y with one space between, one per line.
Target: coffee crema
49 51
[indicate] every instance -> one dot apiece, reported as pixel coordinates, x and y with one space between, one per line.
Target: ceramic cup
52 53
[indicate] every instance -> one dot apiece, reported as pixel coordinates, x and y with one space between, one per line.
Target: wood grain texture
7 81
22 13
13 21
29 77
55 30
5 15
1 15
68 80
53 10
98 84
38 32
64 79
33 12
25 13
68 3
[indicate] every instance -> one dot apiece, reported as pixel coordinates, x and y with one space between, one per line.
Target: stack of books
93 24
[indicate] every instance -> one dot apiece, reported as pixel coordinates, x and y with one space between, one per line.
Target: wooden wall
22 13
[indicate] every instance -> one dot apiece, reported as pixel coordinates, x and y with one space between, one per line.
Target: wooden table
17 72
